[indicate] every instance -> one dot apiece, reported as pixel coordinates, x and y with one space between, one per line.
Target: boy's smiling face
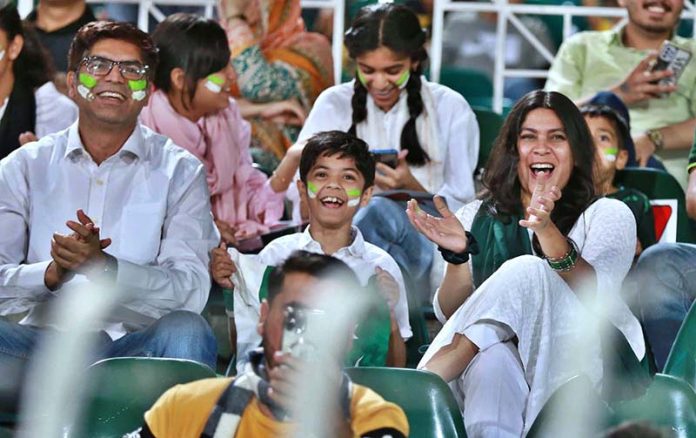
334 191
610 157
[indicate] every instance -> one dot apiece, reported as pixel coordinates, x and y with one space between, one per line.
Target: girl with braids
530 266
30 105
391 106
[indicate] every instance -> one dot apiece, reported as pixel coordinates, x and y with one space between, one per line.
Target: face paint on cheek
138 89
214 83
312 190
2 55
610 154
403 79
87 82
353 197
362 78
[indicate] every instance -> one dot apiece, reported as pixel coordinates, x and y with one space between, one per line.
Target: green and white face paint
86 83
400 82
610 154
353 197
138 89
214 83
353 194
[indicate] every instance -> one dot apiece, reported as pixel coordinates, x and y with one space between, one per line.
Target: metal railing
147 8
508 13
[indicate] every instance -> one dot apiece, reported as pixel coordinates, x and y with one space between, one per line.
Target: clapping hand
541 205
445 231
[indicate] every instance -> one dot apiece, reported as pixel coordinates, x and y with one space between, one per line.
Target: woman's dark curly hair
501 181
397 28
33 65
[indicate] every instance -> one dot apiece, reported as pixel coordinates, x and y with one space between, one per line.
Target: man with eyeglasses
107 201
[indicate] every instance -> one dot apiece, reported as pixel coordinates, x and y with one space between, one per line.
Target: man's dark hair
33 65
91 33
316 265
195 44
330 143
618 122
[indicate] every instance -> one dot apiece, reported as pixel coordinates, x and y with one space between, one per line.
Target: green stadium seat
121 390
681 361
658 184
425 398
490 123
669 403
563 410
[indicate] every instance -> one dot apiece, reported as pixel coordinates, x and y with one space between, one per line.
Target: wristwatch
656 137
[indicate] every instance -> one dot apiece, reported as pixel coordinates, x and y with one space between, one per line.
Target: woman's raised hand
447 231
540 207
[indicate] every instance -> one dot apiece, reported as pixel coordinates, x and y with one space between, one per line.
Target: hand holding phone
673 58
390 157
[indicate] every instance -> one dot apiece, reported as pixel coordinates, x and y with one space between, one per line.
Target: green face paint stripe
312 189
138 85
353 193
403 78
87 80
611 151
217 80
361 78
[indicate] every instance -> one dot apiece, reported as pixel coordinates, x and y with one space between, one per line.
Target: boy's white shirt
362 257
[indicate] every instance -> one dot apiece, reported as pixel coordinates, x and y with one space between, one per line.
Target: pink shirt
240 194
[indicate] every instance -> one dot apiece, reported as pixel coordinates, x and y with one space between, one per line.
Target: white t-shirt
54 110
457 134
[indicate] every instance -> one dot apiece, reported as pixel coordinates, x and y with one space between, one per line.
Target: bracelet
567 262
462 257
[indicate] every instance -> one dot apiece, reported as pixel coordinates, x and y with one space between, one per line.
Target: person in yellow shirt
261 401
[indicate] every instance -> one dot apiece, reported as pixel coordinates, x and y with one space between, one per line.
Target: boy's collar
356 248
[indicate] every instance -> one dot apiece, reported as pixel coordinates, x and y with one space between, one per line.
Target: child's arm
389 288
222 267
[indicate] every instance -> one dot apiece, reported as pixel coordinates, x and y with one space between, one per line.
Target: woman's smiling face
544 151
382 70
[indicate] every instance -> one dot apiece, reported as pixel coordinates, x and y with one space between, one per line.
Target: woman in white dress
542 260
390 105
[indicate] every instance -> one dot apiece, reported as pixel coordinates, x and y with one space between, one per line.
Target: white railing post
499 70
436 39
337 38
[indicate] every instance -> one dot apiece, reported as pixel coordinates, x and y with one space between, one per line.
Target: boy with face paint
611 136
336 178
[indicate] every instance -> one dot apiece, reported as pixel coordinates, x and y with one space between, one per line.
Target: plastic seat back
489 123
564 411
669 403
659 185
425 398
681 361
121 390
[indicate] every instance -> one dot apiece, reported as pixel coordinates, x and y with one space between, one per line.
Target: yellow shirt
183 411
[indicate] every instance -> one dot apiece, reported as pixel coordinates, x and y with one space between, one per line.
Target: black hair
345 145
397 28
195 44
316 265
33 65
91 33
609 113
501 181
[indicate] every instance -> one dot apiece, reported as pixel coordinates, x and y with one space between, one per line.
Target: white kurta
526 299
450 174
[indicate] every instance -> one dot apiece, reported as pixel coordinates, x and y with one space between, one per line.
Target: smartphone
390 157
671 57
300 327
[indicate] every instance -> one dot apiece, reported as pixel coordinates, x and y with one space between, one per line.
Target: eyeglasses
130 70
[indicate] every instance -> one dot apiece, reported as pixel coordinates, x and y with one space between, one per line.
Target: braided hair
397 28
